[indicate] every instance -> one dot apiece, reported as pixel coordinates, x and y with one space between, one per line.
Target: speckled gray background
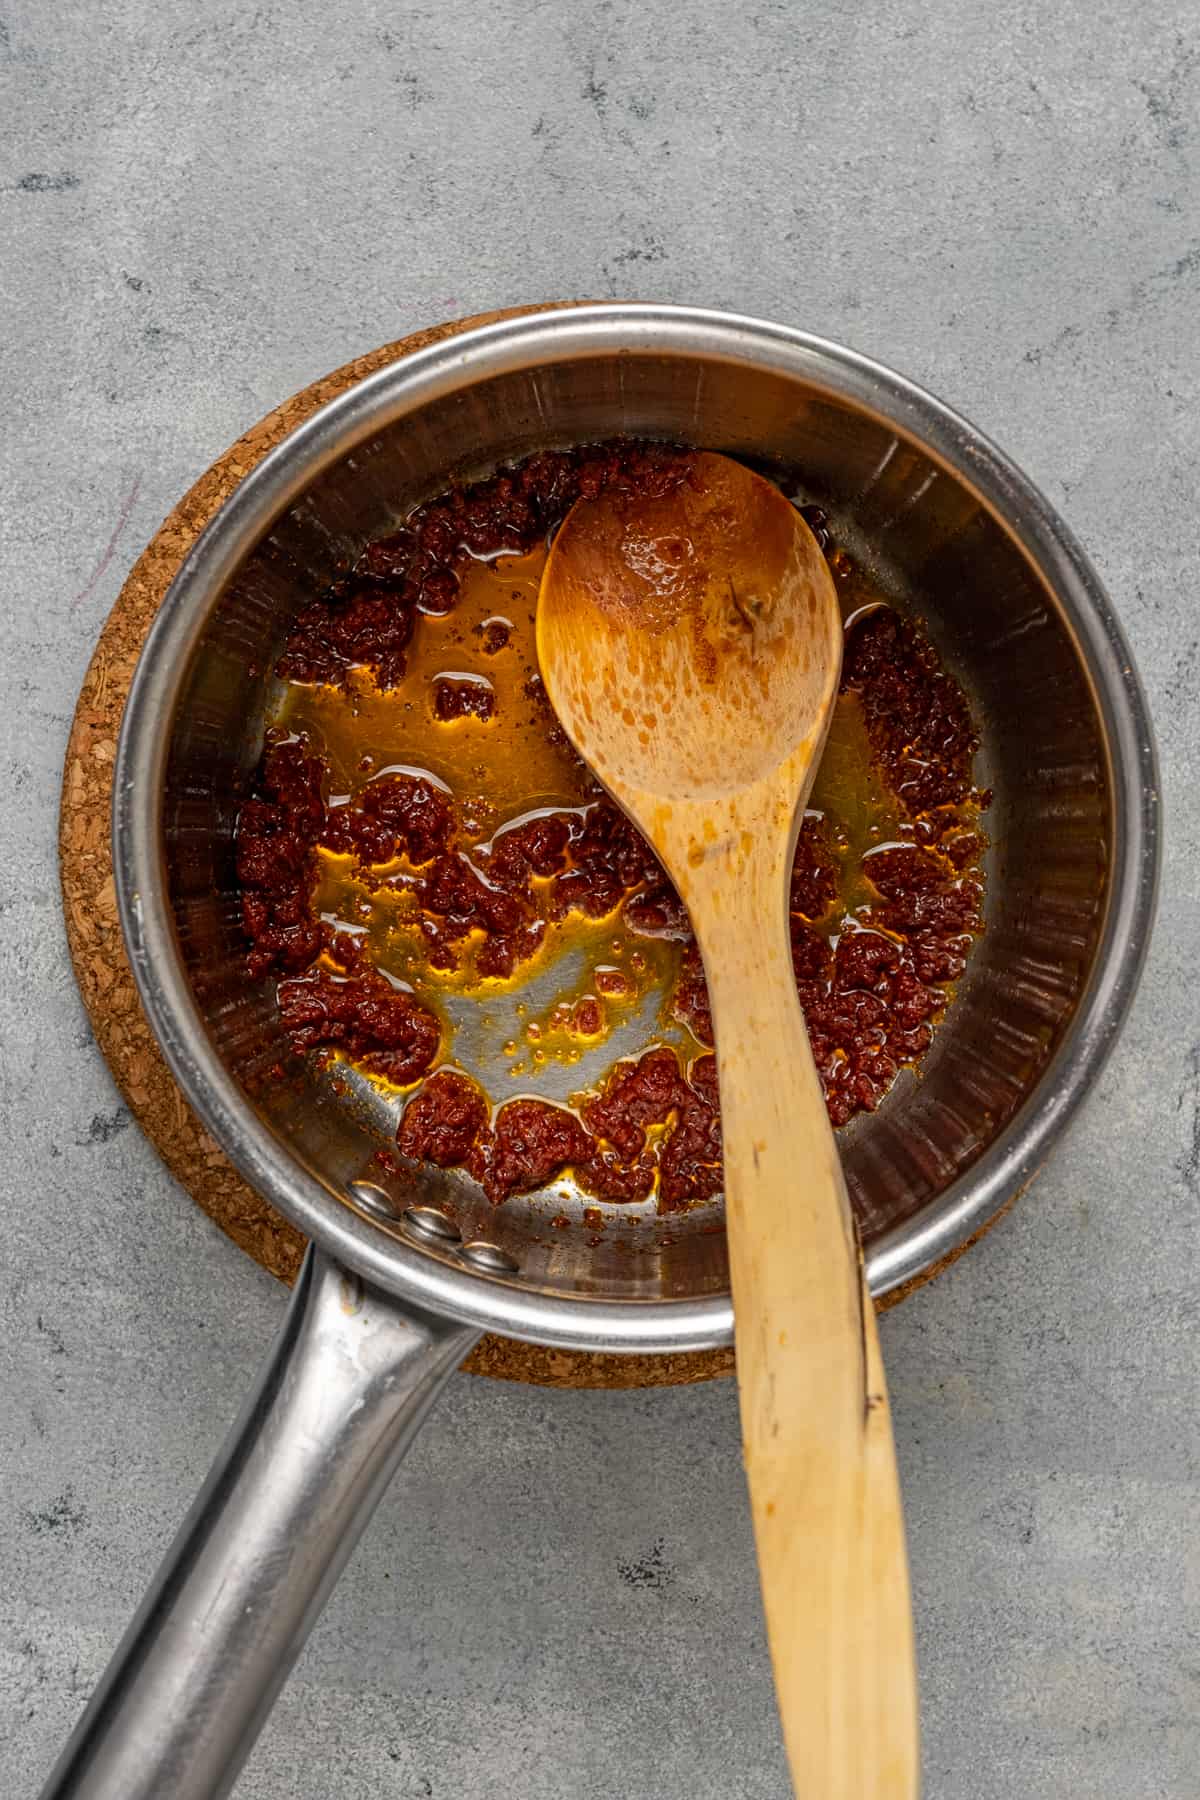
202 207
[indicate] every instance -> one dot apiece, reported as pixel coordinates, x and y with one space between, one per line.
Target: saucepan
402 1276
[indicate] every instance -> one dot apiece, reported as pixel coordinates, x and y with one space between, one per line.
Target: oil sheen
594 990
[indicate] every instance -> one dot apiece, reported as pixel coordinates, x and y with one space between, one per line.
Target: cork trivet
97 950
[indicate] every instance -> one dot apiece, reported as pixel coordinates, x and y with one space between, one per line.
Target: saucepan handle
343 1392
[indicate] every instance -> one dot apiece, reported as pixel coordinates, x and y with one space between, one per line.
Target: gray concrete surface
203 206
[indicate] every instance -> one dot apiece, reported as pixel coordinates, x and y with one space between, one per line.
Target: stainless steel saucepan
399 1281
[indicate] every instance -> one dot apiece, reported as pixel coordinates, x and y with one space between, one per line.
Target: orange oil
506 767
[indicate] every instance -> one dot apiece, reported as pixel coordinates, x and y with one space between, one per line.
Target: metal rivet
490 1258
428 1222
373 1199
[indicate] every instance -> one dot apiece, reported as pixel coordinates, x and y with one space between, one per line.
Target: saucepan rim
493 1302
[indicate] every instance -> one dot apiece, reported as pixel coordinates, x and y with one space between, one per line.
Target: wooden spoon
691 646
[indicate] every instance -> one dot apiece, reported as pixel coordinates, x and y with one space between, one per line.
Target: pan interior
928 542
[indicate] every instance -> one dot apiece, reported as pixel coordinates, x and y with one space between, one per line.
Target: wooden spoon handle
817 1436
